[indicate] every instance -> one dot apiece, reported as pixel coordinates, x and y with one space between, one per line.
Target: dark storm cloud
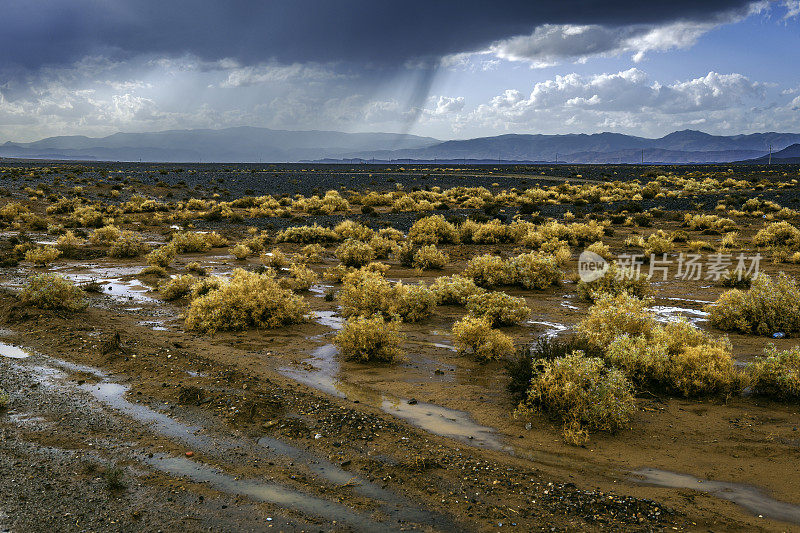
365 32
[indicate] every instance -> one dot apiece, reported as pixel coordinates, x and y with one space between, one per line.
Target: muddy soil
177 431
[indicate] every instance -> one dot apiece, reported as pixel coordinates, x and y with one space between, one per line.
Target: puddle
261 491
320 290
112 284
320 373
691 300
14 352
751 498
666 313
155 325
554 328
331 319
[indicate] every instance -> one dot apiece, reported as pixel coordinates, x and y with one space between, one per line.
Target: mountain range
250 144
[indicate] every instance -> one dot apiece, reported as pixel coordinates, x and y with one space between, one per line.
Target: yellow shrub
383 247
412 303
355 253
300 279
105 235
582 393
50 291
454 290
476 336
128 244
308 234
190 242
275 259
368 339
769 306
69 244
615 281
430 258
177 287
349 229
42 255
612 316
241 251
366 293
489 271
777 373
778 234
534 271
246 300
162 256
433 230
312 253
499 308
676 357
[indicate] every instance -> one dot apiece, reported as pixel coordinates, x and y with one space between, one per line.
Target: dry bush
583 394
154 271
42 256
205 285
4 399
489 271
246 300
601 249
657 243
615 281
383 247
355 253
433 230
195 267
300 279
215 240
312 253
241 251
534 271
308 235
348 229
105 235
778 234
429 257
454 290
770 305
777 373
709 222
275 259
69 244
163 256
612 316
676 358
412 303
476 336
86 216
177 287
366 293
188 242
50 291
128 244
367 339
499 308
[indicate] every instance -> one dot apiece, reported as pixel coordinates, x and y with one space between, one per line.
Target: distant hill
247 144
790 154
244 144
687 146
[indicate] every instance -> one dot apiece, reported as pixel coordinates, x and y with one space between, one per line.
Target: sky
449 70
